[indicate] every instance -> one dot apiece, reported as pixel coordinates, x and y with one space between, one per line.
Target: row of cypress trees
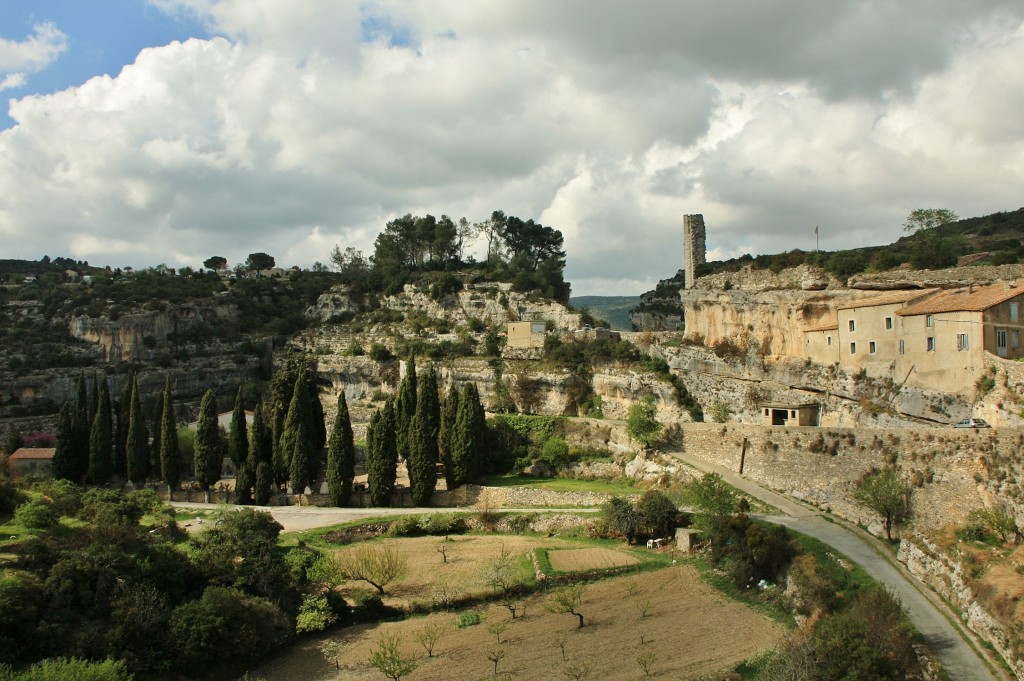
98 441
417 428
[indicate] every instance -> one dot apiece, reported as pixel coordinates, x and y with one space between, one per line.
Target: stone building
526 334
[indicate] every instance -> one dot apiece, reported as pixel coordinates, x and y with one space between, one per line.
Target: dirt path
924 608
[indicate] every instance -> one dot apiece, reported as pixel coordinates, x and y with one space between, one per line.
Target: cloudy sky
165 131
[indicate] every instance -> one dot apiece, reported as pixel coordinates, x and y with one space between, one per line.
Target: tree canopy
928 218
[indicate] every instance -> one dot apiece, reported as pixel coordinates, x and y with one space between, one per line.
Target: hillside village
803 381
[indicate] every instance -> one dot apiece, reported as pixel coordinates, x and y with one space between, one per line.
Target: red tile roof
33 453
890 298
822 326
970 299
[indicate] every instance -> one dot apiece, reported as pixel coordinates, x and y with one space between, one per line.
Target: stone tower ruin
693 246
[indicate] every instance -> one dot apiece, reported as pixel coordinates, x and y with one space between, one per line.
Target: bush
555 452
467 619
443 523
65 495
380 353
70 669
315 614
226 623
37 514
405 526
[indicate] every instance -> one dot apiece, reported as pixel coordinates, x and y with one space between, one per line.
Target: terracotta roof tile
889 298
33 453
822 326
964 300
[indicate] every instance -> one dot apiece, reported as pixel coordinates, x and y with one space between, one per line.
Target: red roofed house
944 339
31 460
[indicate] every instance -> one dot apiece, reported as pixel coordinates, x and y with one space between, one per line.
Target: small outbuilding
526 334
790 413
31 461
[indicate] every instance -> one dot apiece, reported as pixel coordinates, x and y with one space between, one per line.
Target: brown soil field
691 629
579 560
428 570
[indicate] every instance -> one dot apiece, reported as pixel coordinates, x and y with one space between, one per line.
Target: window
852 326
929 320
871 348
853 348
888 323
1001 338
961 342
931 343
829 339
903 346
1014 312
1015 339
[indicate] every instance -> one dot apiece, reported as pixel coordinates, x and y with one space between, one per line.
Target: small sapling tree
566 600
389 660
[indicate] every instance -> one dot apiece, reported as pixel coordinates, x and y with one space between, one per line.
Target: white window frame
1014 312
1001 338
930 343
929 321
963 342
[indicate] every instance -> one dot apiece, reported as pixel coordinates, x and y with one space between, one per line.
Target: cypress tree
264 483
137 444
423 436
467 438
208 447
244 482
302 463
94 403
261 445
316 411
101 464
281 388
382 457
445 436
123 407
156 417
405 408
238 436
341 456
63 457
298 425
170 452
82 429
479 430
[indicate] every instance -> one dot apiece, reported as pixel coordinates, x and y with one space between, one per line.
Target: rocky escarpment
492 303
947 578
134 337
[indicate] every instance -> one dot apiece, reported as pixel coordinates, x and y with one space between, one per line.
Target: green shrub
467 619
315 614
380 353
405 526
36 514
555 452
70 669
443 523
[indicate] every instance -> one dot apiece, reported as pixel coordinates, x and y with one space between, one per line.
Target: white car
972 423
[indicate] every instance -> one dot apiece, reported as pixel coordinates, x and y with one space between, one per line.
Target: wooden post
743 455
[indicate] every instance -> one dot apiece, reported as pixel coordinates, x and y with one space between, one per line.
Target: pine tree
341 456
101 440
137 444
63 458
208 447
238 437
382 458
264 483
445 436
422 462
170 452
405 408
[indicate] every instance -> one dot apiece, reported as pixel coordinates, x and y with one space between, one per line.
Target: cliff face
494 304
133 337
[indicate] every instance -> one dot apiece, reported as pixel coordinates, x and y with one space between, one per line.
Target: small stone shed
790 413
526 334
31 460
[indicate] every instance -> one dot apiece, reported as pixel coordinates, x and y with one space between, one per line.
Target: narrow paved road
923 607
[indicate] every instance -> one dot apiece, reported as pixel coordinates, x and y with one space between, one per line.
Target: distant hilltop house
526 334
